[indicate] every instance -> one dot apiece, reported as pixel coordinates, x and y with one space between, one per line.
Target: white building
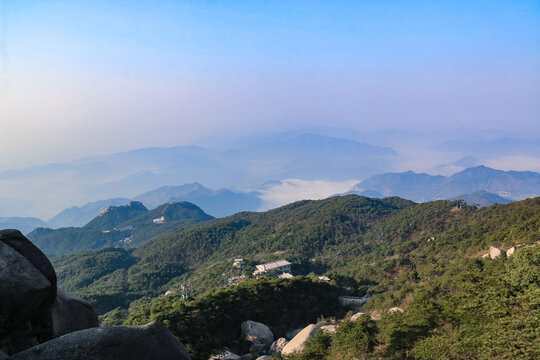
281 265
159 220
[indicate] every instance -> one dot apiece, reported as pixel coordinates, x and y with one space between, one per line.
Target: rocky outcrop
510 251
27 290
278 345
357 316
151 341
329 328
31 303
257 334
494 252
70 313
395 309
296 345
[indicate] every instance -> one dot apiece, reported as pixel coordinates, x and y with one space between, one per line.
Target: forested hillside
424 258
118 226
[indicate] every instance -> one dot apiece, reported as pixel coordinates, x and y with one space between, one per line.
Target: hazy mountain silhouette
424 187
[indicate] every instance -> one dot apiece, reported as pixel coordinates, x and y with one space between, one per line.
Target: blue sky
86 77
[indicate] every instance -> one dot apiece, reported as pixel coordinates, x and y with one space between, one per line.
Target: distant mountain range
218 203
81 215
481 185
23 224
119 226
482 198
511 185
52 187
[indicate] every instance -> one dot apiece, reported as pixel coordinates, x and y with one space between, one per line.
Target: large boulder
151 341
278 345
27 281
257 333
494 252
510 251
296 345
70 313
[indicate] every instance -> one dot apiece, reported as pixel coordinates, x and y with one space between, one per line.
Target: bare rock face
510 251
296 345
395 309
70 313
257 333
357 316
329 328
23 287
494 252
278 345
27 288
148 342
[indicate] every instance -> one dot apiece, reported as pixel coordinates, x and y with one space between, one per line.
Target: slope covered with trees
118 226
424 258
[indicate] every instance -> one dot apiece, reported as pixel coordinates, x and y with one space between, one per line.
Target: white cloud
290 190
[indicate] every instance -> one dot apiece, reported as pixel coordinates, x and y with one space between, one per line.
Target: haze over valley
269 180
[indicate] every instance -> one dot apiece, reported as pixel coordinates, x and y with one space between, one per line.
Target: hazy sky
87 77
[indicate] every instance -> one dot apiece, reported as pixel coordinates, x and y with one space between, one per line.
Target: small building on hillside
280 265
238 263
159 220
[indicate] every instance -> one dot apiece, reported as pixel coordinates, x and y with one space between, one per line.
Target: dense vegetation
471 309
424 258
212 320
118 226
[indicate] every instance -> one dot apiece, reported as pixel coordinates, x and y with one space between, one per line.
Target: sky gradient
94 77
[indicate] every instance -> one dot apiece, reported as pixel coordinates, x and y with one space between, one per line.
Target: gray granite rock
70 313
257 333
148 342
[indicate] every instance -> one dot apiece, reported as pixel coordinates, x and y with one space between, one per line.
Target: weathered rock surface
24 288
395 309
264 357
70 313
329 328
296 345
278 345
510 251
151 341
494 252
257 333
357 316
